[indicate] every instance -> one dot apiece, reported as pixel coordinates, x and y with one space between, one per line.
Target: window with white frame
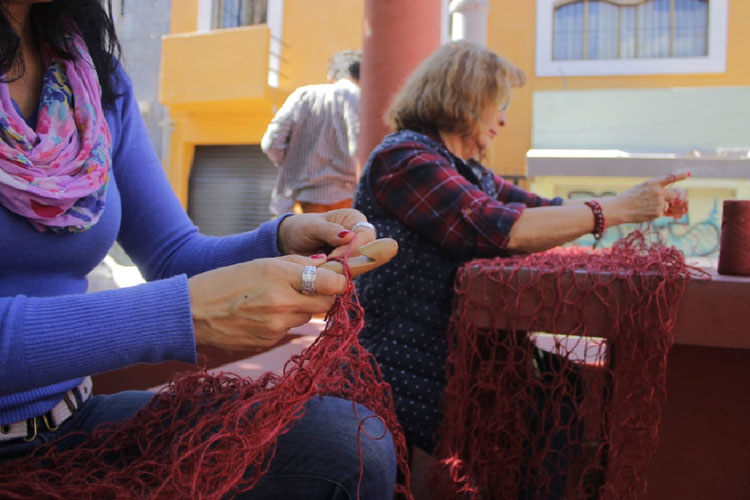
234 13
608 37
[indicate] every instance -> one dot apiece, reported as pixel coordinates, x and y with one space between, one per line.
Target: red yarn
199 435
521 424
734 258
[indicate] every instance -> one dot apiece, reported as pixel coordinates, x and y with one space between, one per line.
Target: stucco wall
140 25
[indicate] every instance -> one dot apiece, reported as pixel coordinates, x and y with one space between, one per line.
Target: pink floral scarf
56 176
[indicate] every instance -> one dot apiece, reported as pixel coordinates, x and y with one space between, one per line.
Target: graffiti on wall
694 239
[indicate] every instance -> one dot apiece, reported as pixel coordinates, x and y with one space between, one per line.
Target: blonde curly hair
449 90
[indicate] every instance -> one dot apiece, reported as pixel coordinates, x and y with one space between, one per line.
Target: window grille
629 29
234 13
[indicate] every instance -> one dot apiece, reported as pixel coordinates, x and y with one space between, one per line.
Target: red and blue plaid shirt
460 206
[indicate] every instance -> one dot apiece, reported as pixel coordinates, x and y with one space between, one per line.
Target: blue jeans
317 459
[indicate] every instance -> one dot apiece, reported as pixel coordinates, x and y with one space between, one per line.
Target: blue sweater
52 334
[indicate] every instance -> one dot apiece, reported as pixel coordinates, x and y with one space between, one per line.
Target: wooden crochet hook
372 255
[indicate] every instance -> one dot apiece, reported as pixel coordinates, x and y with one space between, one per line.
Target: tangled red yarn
578 417
199 436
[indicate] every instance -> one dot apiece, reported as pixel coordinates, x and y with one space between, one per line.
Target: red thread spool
734 249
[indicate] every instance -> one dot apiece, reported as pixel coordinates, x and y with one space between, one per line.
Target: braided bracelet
599 223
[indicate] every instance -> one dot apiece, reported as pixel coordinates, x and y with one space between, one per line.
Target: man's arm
351 122
276 139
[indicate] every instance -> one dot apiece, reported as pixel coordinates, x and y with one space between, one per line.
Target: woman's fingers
274 331
256 303
670 179
324 282
677 210
655 198
676 202
360 236
306 234
330 283
352 229
348 229
674 195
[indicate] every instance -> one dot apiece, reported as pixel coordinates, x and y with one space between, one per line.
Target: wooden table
704 436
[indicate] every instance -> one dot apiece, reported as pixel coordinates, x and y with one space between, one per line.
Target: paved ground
274 359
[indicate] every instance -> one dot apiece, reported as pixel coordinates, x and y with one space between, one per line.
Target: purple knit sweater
52 333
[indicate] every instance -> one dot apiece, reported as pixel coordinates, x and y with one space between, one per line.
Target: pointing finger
670 179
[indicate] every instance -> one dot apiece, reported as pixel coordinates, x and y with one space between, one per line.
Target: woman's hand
541 228
308 234
647 201
677 203
254 304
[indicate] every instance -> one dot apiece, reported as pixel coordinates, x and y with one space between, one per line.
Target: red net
539 416
200 435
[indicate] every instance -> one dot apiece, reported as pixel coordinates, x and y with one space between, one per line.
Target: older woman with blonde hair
424 187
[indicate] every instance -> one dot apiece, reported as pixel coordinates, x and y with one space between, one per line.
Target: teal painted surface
672 120
695 238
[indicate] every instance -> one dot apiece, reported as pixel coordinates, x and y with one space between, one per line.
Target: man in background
313 141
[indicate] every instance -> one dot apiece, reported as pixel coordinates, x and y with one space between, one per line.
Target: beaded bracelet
599 223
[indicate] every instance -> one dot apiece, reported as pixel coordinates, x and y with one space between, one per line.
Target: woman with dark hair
77 172
423 187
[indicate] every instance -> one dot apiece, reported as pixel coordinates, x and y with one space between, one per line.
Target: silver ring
309 273
365 224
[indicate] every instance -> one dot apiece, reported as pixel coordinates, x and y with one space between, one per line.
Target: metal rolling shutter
230 188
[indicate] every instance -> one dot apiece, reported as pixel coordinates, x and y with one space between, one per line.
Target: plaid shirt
460 206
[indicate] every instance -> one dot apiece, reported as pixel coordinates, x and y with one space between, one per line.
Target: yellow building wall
201 71
215 83
183 16
313 30
512 33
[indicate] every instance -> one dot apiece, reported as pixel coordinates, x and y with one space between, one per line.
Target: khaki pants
302 207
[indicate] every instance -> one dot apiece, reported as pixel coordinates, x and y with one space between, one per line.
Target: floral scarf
56 176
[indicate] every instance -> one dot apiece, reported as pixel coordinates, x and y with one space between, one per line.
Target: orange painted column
398 35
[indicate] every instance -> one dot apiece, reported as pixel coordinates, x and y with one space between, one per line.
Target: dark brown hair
52 22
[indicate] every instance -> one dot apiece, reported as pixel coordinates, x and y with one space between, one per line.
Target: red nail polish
318 256
343 233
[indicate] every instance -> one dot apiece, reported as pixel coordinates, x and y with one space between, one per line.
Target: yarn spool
734 248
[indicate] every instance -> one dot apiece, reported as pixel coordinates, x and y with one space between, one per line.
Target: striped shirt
313 141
